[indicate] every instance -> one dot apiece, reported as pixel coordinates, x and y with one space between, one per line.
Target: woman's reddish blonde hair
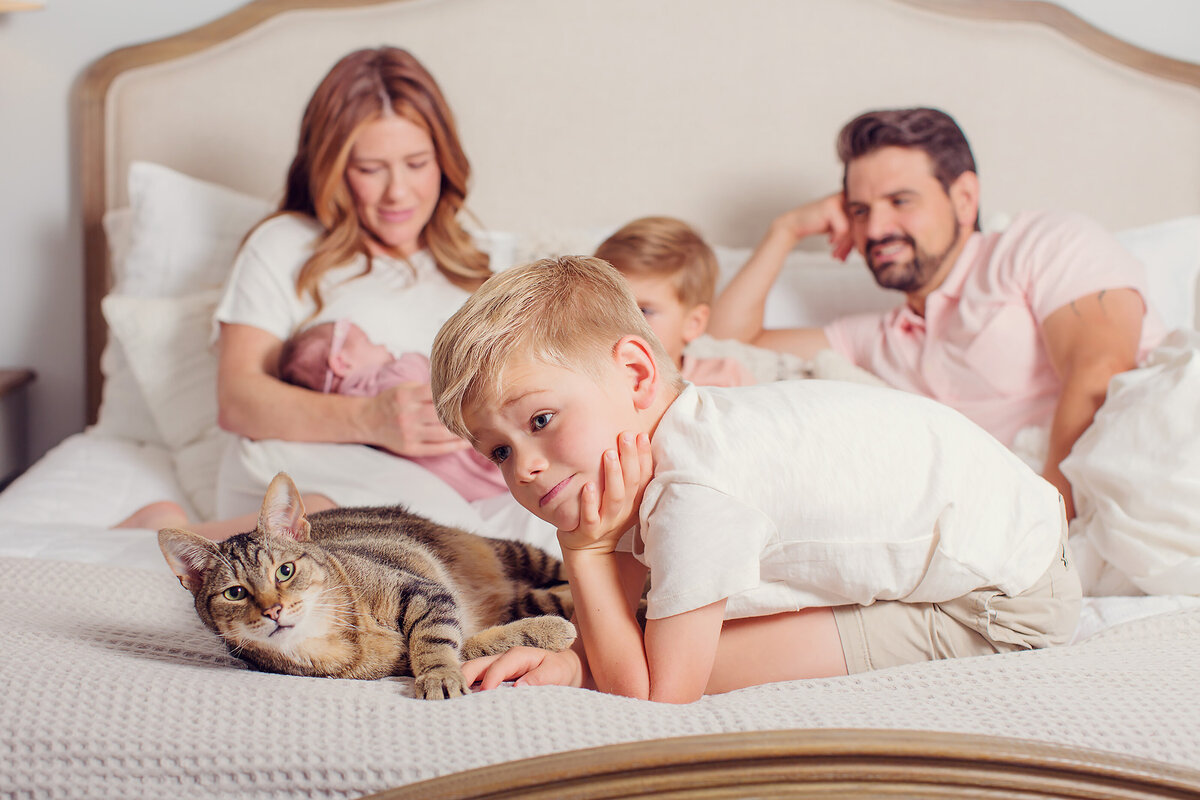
352 94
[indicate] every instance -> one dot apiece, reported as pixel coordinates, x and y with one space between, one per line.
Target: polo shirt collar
952 286
908 320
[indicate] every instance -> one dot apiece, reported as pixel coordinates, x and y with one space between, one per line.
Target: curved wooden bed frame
817 763
794 763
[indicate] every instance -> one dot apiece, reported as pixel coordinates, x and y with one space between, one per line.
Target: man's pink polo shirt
979 347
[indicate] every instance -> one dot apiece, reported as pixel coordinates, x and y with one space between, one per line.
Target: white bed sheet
63 508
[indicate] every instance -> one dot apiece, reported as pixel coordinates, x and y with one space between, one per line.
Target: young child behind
338 357
791 529
673 273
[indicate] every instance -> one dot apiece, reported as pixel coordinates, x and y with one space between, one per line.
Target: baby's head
673 273
542 369
320 356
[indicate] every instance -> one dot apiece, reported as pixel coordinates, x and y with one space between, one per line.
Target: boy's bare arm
680 652
607 623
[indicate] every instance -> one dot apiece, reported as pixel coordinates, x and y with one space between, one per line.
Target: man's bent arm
1089 341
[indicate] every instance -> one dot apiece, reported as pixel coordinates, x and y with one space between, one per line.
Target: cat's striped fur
369 592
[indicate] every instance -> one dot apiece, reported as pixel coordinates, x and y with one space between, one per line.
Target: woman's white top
401 304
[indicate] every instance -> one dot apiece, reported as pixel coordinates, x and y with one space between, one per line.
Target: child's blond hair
665 247
567 312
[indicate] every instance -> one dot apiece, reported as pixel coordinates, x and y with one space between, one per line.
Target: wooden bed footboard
852 763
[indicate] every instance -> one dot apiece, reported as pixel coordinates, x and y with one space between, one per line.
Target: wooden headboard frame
728 220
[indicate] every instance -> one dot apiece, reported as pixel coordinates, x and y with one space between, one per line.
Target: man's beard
908 276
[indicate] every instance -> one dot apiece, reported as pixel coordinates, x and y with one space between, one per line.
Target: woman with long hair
368 230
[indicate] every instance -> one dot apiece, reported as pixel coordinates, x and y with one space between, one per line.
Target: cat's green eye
285 572
235 593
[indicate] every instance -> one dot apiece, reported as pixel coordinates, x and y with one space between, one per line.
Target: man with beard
1014 329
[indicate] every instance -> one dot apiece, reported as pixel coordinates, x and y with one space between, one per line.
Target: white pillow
123 413
541 244
1170 252
179 234
166 342
813 288
185 232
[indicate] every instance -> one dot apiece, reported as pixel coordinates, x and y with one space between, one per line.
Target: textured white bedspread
110 687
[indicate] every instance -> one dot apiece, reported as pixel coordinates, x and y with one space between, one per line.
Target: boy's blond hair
665 247
567 312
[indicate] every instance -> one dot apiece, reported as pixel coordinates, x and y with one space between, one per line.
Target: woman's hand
404 422
527 666
605 515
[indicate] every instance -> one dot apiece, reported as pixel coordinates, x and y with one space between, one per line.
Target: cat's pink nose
273 612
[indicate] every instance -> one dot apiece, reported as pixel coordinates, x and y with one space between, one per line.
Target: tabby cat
369 592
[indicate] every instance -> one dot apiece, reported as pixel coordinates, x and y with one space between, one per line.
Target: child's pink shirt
715 372
979 346
466 471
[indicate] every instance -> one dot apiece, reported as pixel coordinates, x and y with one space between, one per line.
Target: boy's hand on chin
604 516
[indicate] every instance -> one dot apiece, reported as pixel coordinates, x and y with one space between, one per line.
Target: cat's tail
528 564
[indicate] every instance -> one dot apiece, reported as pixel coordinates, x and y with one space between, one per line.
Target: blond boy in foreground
793 529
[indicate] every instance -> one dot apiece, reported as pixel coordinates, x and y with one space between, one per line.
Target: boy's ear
695 321
636 358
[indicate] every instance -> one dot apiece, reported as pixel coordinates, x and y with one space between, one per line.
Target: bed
578 116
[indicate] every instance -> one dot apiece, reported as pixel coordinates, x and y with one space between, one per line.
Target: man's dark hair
926 129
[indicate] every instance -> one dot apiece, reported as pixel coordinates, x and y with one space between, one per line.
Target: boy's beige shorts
890 633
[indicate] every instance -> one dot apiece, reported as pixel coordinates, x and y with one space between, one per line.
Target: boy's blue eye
500 453
540 421
645 311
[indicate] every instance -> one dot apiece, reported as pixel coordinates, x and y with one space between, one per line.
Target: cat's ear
282 511
188 554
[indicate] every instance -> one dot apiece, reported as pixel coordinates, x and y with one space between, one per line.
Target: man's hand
827 216
605 515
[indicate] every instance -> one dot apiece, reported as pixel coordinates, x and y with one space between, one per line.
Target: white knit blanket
110 687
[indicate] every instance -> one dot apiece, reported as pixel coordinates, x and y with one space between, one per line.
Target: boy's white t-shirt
802 494
400 304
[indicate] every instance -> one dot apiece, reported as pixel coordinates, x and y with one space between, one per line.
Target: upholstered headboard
586 113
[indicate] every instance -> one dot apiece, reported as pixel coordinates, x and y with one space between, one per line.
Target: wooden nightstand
14 423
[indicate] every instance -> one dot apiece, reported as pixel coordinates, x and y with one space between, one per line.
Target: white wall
42 54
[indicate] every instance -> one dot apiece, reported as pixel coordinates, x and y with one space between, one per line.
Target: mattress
111 687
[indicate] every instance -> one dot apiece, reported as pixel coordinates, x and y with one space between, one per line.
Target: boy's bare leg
167 514
779 647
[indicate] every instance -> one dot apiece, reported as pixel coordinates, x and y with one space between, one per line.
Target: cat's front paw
440 683
552 633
